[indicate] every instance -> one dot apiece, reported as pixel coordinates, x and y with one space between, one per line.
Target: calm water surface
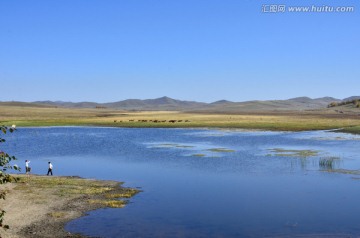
207 183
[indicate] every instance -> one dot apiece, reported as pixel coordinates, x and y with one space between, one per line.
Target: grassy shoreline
294 126
49 202
273 121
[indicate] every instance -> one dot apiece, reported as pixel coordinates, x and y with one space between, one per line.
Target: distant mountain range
166 103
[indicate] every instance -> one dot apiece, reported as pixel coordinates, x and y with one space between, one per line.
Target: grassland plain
266 120
39 206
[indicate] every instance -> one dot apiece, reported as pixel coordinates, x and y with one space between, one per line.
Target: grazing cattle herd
154 121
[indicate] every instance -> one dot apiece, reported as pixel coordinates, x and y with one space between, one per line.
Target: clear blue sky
204 50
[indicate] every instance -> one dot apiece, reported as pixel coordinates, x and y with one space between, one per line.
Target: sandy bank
40 206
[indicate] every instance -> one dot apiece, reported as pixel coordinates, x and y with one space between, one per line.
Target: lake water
207 183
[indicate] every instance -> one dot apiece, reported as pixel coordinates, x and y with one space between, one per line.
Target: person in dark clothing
27 167
50 169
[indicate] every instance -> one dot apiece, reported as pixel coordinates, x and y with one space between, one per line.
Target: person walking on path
27 167
50 169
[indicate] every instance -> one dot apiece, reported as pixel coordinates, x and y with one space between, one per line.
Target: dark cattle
187 121
172 121
115 120
179 120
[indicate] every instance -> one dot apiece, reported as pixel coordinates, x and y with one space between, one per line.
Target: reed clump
328 162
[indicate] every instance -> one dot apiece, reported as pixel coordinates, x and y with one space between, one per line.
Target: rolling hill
300 103
169 104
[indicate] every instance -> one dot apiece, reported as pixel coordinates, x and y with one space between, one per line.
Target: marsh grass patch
337 138
172 146
124 193
184 146
109 203
293 153
221 150
198 155
343 171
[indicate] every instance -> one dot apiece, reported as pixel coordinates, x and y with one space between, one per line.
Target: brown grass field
266 120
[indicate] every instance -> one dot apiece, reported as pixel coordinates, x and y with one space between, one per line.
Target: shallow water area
207 183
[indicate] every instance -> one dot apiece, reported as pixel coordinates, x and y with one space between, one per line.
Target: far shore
347 121
40 206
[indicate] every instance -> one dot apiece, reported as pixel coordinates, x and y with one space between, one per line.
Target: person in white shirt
27 167
50 169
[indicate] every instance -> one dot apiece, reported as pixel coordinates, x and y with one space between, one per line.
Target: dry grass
73 187
58 214
289 121
128 193
109 203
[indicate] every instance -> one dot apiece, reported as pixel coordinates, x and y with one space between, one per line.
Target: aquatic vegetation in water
172 146
344 171
164 146
197 150
293 153
220 150
184 146
335 138
199 155
328 162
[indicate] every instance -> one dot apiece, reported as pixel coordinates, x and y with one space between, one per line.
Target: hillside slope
221 106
